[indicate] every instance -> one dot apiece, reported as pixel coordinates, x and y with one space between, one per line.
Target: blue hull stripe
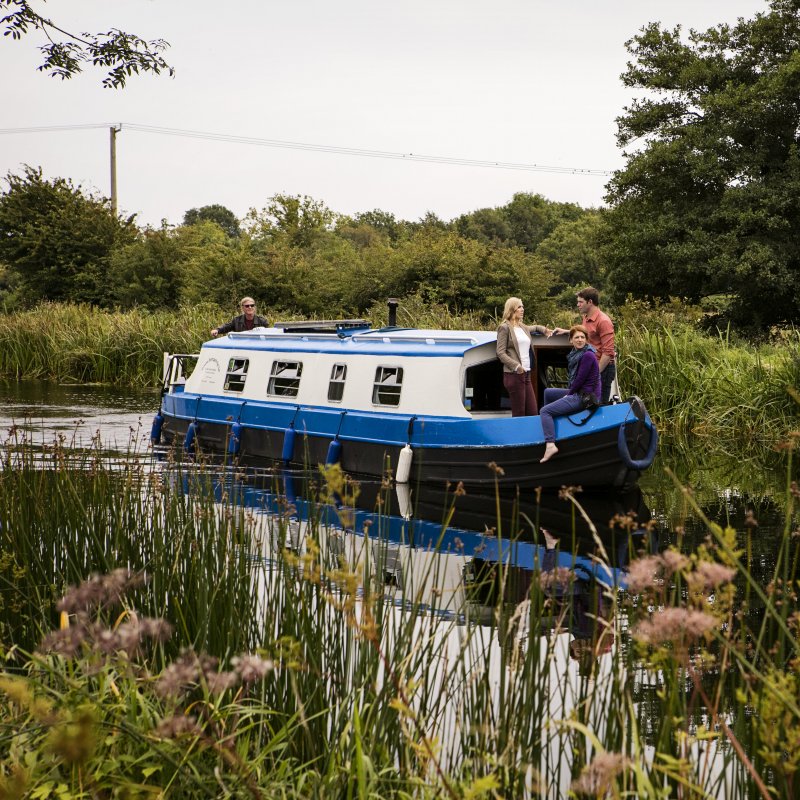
390 429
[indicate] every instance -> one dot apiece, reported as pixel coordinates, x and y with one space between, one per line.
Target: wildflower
674 625
673 562
218 682
496 468
558 578
252 667
709 575
99 591
643 572
749 519
177 725
596 778
179 675
65 642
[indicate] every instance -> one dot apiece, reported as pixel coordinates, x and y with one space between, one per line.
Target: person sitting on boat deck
583 388
246 321
514 349
601 337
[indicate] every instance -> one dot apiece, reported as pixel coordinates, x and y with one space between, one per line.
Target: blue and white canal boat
424 405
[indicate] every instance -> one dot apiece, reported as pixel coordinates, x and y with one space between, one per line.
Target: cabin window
236 375
386 389
336 385
284 380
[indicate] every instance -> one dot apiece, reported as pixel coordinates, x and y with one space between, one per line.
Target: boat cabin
344 364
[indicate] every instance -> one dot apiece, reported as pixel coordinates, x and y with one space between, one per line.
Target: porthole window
236 375
386 389
336 385
284 380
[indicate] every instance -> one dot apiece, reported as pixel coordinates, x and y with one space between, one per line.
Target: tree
709 203
216 213
124 54
299 220
57 240
571 253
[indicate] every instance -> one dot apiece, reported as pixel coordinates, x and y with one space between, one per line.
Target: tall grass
374 692
83 344
711 385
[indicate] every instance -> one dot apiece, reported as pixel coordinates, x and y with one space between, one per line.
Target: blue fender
235 439
189 439
625 454
288 444
155 431
334 452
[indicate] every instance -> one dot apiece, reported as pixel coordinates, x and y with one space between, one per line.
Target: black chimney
393 302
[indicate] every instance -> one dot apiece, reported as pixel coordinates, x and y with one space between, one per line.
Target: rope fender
625 453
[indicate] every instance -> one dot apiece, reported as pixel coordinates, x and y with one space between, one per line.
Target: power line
323 148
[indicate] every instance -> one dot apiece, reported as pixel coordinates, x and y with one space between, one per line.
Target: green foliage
710 385
708 203
56 240
344 687
65 54
224 217
71 343
571 253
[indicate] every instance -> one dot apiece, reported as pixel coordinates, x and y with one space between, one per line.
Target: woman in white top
514 350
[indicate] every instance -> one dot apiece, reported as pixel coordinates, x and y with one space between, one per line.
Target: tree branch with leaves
122 54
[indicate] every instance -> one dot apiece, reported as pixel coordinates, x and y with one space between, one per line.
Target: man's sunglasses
249 305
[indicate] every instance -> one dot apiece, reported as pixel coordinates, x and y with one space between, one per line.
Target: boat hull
607 448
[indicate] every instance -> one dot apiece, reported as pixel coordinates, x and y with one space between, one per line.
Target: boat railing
387 338
177 368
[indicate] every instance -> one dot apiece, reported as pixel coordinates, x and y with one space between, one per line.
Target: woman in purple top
584 378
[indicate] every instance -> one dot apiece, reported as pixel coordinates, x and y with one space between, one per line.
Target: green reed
373 691
710 385
79 343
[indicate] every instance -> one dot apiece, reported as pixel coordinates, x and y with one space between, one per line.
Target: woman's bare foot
549 451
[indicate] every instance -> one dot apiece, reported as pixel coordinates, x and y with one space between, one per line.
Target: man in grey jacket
246 321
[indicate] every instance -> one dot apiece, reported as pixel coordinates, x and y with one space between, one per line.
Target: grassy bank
83 344
328 686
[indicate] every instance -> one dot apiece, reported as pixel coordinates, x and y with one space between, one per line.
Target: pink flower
558 578
252 667
708 575
677 625
643 574
596 778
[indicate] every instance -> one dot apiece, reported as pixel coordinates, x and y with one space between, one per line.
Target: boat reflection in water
448 550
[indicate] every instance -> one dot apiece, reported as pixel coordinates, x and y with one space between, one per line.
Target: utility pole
114 130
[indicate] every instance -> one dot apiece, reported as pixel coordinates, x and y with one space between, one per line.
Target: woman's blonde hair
512 304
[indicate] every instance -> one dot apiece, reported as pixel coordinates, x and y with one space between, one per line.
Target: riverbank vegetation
332 683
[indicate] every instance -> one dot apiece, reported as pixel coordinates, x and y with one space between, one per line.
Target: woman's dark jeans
520 390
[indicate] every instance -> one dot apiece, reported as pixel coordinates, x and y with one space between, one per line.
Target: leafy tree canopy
222 216
65 54
709 202
299 220
56 240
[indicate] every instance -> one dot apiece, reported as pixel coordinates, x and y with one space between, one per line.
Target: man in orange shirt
601 335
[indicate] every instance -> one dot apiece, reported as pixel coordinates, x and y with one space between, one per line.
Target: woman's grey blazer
507 347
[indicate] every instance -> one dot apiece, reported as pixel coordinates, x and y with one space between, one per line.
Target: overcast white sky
523 81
